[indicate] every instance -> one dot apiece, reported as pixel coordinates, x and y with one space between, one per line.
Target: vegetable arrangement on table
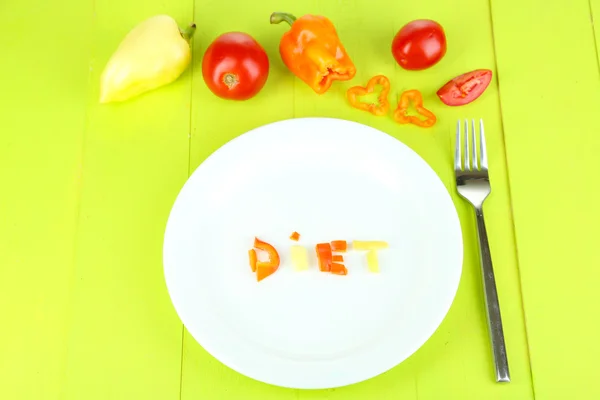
236 67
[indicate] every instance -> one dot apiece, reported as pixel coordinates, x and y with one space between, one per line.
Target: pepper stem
188 32
278 17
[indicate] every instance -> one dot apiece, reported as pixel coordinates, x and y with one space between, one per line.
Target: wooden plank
457 360
214 122
550 93
125 337
44 73
595 17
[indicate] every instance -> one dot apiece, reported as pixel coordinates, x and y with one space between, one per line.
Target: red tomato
465 88
235 66
419 44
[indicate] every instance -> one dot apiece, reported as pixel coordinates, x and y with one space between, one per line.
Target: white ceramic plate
329 180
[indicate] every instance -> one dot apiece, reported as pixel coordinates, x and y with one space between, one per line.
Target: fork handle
491 301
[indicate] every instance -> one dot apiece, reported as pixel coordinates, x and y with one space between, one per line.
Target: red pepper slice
400 115
339 245
266 268
337 258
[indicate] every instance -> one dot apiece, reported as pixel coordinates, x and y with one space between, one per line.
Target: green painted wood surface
553 142
122 327
595 18
86 191
457 359
44 82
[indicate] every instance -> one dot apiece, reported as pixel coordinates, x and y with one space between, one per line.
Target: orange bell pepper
377 109
295 236
312 50
400 115
265 268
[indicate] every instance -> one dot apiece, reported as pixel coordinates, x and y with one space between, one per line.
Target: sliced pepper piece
369 245
263 272
337 258
338 269
324 256
266 268
380 109
252 258
299 257
339 245
295 236
372 261
372 246
313 52
401 116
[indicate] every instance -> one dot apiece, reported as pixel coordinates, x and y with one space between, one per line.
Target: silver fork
473 184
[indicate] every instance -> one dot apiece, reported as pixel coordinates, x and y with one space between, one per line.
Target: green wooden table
86 190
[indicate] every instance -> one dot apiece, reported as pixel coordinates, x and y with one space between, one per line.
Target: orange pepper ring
356 91
400 113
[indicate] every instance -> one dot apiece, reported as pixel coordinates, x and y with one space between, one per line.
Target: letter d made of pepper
153 54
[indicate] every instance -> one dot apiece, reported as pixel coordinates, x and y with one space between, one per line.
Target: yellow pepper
369 245
372 261
154 53
299 257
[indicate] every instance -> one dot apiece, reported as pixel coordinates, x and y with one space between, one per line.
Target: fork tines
473 160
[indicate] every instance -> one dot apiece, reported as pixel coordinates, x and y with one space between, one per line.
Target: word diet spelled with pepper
328 262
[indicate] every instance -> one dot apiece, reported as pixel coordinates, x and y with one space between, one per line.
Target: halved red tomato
465 88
